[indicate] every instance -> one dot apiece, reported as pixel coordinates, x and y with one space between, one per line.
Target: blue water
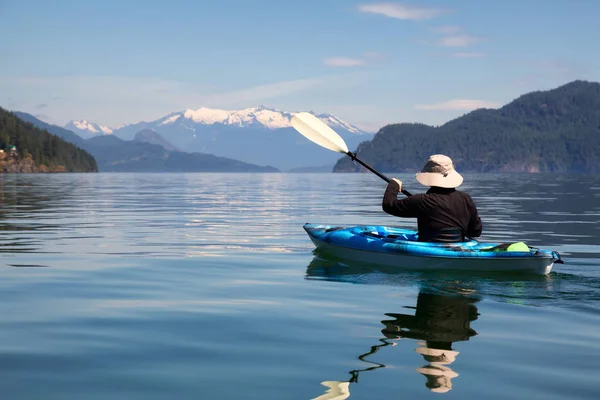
204 286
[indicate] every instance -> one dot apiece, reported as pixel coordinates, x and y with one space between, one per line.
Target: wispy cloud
142 88
255 94
457 105
460 40
454 36
41 105
117 100
402 11
343 62
367 58
263 92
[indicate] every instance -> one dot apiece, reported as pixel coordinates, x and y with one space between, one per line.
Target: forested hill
36 150
545 131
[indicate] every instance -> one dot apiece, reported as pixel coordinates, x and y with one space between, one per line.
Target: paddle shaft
373 170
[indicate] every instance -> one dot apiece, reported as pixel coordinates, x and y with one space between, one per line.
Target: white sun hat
439 171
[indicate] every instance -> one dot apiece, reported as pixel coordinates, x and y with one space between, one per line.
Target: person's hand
398 181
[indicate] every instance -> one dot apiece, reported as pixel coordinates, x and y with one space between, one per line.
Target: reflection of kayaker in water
439 321
443 213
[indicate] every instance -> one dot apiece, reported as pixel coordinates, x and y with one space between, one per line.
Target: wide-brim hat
439 171
438 356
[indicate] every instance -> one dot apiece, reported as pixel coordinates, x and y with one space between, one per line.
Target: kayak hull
396 247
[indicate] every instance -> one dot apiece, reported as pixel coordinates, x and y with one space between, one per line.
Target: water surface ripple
205 286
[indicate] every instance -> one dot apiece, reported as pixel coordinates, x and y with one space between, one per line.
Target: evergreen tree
45 148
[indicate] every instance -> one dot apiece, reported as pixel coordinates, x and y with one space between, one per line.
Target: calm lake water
204 286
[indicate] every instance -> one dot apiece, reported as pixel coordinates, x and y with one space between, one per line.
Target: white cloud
367 58
457 105
255 94
461 40
453 36
343 62
401 11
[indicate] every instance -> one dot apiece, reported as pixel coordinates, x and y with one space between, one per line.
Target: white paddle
320 133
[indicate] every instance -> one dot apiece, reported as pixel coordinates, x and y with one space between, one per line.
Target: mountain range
147 152
555 130
257 135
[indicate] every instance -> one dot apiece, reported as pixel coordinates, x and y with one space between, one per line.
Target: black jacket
436 210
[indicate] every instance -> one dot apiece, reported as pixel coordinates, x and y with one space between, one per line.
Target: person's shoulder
463 194
466 196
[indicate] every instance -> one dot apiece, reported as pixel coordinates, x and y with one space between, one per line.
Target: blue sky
370 63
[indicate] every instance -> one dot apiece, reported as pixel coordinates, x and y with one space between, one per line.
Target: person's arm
406 208
475 225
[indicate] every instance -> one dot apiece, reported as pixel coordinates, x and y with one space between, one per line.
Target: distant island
544 131
25 148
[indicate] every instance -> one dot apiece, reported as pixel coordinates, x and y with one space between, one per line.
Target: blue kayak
400 248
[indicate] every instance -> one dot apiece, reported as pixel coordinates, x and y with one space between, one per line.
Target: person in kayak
443 213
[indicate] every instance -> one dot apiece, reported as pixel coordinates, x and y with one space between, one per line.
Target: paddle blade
318 132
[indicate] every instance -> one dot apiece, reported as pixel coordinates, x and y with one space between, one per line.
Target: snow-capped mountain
257 135
261 115
269 118
87 129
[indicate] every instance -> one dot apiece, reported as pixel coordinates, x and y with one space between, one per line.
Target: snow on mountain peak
270 118
170 119
189 118
205 115
90 127
335 121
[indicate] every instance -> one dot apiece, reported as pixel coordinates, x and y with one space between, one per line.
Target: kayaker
443 213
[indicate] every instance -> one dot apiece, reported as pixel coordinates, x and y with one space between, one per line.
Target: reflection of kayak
399 248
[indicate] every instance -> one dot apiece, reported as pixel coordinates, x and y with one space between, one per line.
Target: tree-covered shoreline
544 131
26 148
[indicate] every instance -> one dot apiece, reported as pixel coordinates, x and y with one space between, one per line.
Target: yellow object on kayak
512 247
